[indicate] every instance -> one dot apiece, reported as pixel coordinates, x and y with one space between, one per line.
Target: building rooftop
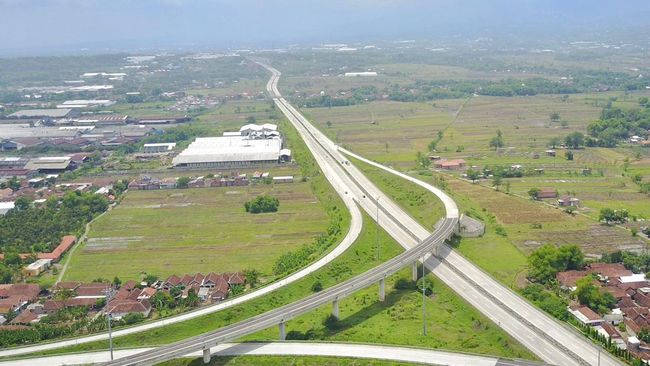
229 148
52 113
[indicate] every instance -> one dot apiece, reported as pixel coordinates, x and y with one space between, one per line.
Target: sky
64 26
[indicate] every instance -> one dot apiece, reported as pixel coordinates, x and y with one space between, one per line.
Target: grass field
197 230
453 324
401 129
282 361
417 201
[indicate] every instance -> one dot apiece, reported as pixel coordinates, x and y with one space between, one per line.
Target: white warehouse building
230 152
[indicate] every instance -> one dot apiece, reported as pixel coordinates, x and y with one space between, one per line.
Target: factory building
255 145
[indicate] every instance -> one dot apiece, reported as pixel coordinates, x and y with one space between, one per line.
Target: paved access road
379 352
551 340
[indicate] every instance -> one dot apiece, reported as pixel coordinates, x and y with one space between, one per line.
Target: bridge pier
414 271
206 355
335 308
382 289
283 331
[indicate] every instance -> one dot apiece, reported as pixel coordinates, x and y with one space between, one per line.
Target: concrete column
414 271
283 331
382 289
335 308
206 355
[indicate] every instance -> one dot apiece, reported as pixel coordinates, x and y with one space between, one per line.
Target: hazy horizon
39 27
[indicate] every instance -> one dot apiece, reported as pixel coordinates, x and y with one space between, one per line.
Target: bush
132 318
262 204
404 284
317 286
428 285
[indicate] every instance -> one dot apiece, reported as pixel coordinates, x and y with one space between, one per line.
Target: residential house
36 268
586 316
547 193
26 317
568 201
454 164
119 308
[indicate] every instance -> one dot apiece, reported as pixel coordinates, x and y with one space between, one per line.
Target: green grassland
421 204
197 230
452 323
282 361
399 132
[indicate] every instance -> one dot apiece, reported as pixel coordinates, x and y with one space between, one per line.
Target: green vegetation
262 204
611 216
39 229
497 141
185 228
590 295
418 202
547 299
548 260
282 361
616 124
452 324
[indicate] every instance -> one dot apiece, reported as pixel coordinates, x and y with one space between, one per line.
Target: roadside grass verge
282 361
421 204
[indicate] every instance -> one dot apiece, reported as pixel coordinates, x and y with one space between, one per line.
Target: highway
368 351
551 340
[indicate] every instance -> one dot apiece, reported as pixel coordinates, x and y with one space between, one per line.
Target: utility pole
108 316
424 313
377 229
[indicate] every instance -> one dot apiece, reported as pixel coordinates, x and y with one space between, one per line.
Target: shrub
317 286
262 204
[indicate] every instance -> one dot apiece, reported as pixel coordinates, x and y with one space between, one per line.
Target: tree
252 277
432 145
14 184
570 257
162 300
262 204
589 295
610 216
423 160
116 281
554 142
643 101
569 155
251 120
22 203
496 181
427 282
329 124
554 116
574 140
182 182
150 279
547 261
497 141
534 193
474 175
192 300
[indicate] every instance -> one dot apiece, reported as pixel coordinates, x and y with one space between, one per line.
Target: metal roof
53 113
229 148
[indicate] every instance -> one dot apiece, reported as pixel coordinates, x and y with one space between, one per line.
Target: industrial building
255 145
43 113
157 148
